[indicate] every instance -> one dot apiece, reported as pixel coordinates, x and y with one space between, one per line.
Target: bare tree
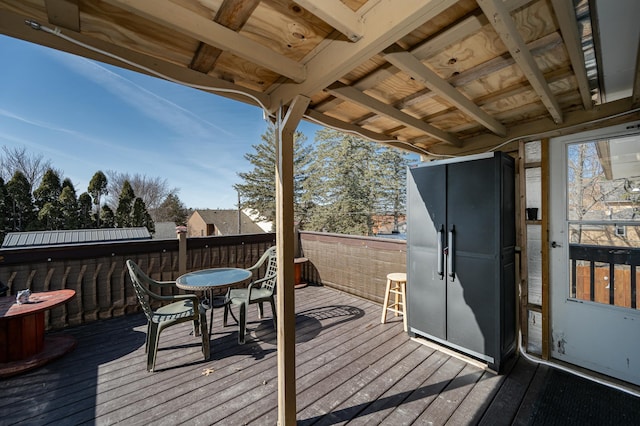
32 166
152 190
590 195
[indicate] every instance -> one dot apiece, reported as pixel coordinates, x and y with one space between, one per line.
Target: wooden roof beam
336 14
233 14
430 47
334 123
537 47
441 40
187 22
470 24
384 23
501 20
424 75
566 16
355 96
64 14
576 121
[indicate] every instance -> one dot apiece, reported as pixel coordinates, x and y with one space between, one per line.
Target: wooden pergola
438 77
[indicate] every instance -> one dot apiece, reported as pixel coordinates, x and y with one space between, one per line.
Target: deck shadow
379 404
309 323
71 375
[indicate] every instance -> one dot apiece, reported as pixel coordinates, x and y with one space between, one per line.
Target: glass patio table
209 279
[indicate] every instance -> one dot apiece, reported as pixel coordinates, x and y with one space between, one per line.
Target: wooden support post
181 231
544 183
523 282
285 241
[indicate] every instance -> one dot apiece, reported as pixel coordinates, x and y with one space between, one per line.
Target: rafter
576 121
566 16
537 47
357 97
462 29
194 25
233 14
319 118
64 13
384 22
333 122
424 75
336 14
504 25
467 26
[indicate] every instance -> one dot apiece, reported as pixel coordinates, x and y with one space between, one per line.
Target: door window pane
603 212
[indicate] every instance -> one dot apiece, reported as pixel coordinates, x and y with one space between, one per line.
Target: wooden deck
350 369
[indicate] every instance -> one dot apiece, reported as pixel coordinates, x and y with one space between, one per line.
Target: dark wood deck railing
356 265
605 274
97 272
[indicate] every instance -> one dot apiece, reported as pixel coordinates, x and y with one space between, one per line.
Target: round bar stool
396 285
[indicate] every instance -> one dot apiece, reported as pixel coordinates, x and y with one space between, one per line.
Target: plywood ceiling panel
494 85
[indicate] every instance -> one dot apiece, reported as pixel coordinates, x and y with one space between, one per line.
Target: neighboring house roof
164 230
226 221
73 236
266 226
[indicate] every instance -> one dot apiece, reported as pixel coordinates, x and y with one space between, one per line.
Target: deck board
450 398
507 400
349 369
472 408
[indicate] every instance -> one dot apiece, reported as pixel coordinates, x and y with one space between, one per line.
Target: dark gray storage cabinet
461 286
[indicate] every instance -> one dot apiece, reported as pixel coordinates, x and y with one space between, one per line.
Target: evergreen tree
97 188
341 188
5 210
49 189
172 210
67 183
107 218
49 217
69 209
85 219
137 215
46 199
21 203
390 188
140 215
258 189
124 212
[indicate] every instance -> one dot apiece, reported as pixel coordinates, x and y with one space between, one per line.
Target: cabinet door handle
440 237
451 253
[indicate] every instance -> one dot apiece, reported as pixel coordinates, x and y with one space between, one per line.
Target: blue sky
87 116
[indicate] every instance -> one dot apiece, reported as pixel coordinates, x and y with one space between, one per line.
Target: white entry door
595 250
